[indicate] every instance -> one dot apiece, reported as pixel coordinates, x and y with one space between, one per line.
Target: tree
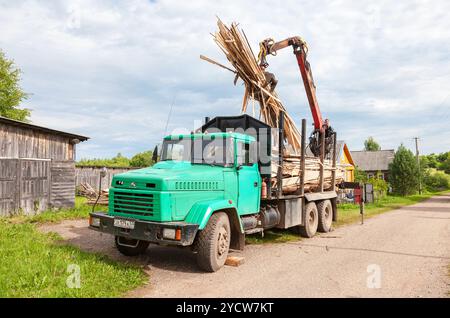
11 94
445 165
142 159
404 172
360 176
371 145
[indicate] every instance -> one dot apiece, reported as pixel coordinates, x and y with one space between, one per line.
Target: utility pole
418 163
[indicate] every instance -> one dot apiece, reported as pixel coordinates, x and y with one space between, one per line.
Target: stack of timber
291 174
234 44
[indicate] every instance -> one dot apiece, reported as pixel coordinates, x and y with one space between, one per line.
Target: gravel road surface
402 253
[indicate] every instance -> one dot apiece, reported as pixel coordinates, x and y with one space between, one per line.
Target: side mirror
155 154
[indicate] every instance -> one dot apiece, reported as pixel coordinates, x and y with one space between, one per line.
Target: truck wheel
130 247
213 243
325 210
311 221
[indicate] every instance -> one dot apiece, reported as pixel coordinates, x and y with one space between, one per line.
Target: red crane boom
269 46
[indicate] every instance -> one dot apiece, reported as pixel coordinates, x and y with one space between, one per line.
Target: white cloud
111 69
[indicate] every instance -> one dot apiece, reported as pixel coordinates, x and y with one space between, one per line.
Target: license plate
124 224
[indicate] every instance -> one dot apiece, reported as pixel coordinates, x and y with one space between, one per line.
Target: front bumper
145 230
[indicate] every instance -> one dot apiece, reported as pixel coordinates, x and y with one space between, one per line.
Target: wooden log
235 261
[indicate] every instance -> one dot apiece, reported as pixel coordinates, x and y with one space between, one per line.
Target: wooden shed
37 167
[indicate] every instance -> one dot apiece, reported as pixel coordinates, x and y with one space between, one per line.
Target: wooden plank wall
29 186
24 186
8 184
91 175
62 184
34 185
18 142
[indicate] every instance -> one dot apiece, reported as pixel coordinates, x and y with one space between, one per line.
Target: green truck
210 189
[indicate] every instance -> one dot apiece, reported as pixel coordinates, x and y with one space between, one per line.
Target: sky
112 70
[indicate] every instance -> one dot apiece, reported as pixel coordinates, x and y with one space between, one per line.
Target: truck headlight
169 234
95 222
172 234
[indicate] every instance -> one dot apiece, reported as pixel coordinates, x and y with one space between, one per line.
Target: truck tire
325 210
213 243
311 221
135 247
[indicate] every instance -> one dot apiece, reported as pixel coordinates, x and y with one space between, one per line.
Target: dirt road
403 253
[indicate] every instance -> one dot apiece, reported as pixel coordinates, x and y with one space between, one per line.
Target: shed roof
373 160
12 122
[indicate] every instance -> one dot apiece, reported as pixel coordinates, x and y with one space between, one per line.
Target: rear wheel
311 221
325 210
213 243
130 247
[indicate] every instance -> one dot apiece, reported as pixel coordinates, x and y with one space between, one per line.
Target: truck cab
210 189
199 177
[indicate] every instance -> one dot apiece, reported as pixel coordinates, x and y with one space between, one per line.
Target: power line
170 113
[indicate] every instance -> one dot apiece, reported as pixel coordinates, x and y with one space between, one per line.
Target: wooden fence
32 185
91 175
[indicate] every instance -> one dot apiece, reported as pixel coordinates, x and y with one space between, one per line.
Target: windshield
207 150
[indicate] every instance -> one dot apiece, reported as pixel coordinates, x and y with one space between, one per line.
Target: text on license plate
125 224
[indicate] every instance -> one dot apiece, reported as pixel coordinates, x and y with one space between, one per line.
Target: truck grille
143 204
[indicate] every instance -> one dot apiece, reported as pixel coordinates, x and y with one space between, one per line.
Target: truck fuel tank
269 216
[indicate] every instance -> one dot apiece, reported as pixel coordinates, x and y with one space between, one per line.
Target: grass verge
35 264
81 210
272 236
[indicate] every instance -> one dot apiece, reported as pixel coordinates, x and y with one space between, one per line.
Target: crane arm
269 46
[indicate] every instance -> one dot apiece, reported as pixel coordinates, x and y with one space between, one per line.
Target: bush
436 180
380 186
139 160
118 161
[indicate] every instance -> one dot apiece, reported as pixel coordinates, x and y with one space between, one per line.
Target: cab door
249 180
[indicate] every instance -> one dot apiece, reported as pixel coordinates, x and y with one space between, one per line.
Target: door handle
255 184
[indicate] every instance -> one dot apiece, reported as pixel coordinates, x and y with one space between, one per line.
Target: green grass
272 236
81 210
35 264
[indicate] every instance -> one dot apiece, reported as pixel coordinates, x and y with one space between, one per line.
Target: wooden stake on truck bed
322 159
333 172
280 154
302 158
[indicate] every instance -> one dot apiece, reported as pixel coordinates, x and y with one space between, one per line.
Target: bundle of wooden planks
234 44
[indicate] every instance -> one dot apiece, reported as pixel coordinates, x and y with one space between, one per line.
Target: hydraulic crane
321 127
